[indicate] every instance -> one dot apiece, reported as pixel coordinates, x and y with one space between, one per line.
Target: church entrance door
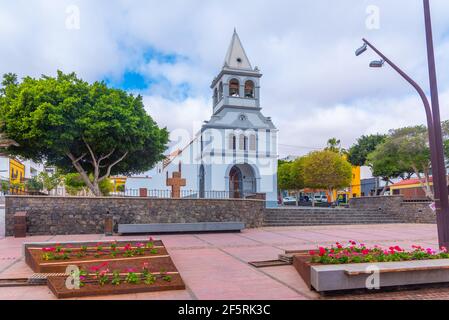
235 183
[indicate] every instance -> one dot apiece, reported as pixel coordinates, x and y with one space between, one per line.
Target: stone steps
311 217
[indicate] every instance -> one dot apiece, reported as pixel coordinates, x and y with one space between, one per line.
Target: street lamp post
442 195
433 125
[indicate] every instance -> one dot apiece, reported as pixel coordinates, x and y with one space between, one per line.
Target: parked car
289 201
320 198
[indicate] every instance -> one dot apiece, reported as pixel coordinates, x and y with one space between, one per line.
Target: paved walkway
215 266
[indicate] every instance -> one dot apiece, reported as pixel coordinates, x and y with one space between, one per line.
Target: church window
249 89
232 142
252 142
243 142
220 91
215 96
234 88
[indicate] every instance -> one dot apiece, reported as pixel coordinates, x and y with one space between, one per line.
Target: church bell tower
238 83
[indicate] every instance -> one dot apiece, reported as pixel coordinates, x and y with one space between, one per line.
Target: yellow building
118 182
354 191
16 172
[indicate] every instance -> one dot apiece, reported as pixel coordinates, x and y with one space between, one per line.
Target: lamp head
361 50
377 64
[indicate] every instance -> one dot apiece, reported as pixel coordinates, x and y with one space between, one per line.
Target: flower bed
104 280
113 267
56 258
360 253
346 267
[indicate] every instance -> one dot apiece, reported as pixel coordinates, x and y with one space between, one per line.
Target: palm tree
334 145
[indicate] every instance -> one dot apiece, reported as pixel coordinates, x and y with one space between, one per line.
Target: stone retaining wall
408 212
83 215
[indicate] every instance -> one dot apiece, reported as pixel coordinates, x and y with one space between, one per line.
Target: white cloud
313 85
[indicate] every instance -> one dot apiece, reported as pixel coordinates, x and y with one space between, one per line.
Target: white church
234 155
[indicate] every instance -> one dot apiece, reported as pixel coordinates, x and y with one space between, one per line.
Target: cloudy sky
169 51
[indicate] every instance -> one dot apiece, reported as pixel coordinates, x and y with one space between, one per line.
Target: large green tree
284 176
404 152
291 176
327 170
359 152
79 127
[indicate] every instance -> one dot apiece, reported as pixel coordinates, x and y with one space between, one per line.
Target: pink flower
146 265
312 253
140 245
50 249
104 272
127 247
365 252
444 249
130 270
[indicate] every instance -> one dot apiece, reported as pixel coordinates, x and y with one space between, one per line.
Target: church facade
235 153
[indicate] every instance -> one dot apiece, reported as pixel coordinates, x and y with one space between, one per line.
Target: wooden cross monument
176 182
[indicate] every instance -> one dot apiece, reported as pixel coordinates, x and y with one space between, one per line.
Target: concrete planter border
343 277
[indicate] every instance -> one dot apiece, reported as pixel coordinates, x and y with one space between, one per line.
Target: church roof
236 57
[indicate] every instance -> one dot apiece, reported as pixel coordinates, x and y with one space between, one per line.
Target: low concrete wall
83 215
409 212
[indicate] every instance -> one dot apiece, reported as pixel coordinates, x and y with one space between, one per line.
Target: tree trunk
384 190
331 194
426 185
313 198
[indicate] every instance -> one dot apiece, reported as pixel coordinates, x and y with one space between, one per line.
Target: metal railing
147 193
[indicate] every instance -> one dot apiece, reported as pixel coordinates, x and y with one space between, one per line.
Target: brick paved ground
215 266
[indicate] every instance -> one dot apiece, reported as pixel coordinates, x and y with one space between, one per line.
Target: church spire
236 57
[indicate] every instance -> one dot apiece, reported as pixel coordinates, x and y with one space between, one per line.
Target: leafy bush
34 185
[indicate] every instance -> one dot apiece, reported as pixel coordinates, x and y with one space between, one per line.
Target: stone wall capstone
86 215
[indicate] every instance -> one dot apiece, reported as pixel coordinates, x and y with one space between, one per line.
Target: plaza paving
215 266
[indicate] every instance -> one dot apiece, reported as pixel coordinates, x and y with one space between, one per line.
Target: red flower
322 251
397 248
365 252
312 253
50 249
94 268
127 247
130 270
